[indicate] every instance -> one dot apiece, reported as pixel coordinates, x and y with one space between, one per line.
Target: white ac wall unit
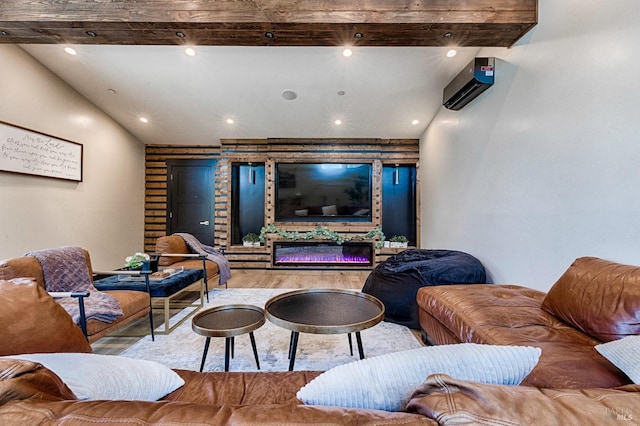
474 79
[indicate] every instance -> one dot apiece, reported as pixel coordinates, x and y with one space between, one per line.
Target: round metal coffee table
324 311
228 321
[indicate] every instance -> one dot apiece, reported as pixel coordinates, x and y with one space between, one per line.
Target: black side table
228 321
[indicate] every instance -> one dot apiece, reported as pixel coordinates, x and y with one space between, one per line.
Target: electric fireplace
315 253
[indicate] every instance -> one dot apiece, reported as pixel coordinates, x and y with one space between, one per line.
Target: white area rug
183 348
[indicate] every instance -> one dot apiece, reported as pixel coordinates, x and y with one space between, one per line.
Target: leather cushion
236 388
26 266
133 304
82 413
171 244
599 297
212 267
21 379
32 322
452 401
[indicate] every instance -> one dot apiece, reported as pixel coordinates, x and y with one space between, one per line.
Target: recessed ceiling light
338 122
341 92
180 34
190 51
229 120
91 34
451 53
415 122
70 50
112 91
289 95
347 53
144 119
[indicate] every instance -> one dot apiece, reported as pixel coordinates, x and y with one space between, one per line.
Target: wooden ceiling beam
268 22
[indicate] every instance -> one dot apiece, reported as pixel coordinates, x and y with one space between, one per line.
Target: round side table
324 311
228 321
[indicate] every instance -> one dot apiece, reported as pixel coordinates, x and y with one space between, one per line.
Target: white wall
544 167
104 213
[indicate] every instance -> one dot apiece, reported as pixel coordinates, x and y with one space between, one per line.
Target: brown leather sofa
31 394
171 246
594 301
134 304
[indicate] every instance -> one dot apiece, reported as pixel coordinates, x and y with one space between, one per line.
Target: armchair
173 250
134 304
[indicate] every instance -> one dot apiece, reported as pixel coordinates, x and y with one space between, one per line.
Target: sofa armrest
191 255
80 295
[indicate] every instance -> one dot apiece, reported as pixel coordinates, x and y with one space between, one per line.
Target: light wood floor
249 278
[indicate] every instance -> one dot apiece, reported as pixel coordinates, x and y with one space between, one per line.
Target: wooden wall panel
269 152
155 212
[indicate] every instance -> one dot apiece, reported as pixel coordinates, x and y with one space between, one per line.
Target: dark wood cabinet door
190 198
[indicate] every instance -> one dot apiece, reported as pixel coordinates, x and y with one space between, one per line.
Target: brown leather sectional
592 302
31 394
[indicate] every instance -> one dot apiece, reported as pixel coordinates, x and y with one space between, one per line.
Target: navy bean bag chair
396 280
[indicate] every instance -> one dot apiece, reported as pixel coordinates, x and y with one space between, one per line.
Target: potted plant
251 240
136 260
398 241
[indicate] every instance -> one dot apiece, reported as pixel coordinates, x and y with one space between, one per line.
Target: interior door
190 198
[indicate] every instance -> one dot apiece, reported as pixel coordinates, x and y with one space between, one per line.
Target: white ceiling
187 99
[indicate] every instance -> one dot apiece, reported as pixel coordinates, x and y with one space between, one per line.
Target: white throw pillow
386 382
624 354
109 377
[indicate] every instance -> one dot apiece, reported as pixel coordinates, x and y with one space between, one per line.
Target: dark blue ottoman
167 290
396 281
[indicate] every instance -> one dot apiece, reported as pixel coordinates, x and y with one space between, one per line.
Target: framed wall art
29 152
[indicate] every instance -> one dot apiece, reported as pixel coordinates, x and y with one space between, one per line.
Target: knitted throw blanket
65 269
211 253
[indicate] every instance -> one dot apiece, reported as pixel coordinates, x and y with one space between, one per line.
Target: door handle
205 223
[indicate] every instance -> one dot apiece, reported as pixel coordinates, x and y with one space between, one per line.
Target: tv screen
324 192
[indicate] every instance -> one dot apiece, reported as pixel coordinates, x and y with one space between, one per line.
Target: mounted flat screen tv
323 192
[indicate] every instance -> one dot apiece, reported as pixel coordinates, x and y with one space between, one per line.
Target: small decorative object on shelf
136 260
398 241
251 240
323 232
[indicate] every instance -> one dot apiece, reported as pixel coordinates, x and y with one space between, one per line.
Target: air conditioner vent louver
474 79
